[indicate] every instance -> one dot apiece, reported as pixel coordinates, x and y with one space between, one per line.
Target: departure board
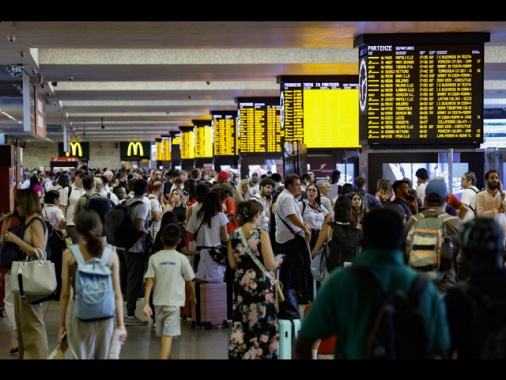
421 89
163 152
203 138
187 142
225 133
259 125
321 111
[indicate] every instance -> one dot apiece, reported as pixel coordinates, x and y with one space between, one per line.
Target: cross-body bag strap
253 257
196 232
286 224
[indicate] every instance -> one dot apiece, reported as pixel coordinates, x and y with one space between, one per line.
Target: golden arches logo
133 147
75 149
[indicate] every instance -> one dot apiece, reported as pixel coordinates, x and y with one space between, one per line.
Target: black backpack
100 204
119 227
488 329
343 245
397 329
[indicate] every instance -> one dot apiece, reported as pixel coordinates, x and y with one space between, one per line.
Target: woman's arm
68 260
322 238
118 296
232 262
270 262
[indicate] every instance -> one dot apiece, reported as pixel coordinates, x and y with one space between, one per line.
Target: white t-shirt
169 270
207 237
469 198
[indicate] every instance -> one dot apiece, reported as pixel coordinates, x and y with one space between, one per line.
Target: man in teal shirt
344 305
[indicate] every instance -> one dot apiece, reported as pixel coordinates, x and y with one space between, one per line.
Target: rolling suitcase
211 308
186 310
288 331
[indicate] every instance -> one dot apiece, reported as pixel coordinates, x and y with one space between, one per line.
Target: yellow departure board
166 146
225 133
203 138
421 89
187 143
321 111
259 125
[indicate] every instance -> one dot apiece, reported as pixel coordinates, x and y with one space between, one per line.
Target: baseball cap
436 190
223 176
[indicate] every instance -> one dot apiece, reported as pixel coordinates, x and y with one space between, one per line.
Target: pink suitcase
211 308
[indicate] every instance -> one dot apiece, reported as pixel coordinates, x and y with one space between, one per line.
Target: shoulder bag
34 280
279 285
10 252
319 262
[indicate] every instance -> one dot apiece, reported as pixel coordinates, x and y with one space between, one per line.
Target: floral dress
255 333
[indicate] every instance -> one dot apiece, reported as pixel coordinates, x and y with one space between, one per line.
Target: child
169 271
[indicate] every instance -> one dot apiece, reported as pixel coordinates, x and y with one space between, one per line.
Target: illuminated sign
76 149
132 149
225 134
187 142
421 89
135 149
259 125
320 110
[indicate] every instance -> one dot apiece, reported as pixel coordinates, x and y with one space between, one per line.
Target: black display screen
422 90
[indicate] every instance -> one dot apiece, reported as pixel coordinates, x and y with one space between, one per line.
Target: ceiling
120 81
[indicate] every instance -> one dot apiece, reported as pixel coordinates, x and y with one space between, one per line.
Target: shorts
167 319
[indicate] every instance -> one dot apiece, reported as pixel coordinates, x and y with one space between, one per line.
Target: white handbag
33 279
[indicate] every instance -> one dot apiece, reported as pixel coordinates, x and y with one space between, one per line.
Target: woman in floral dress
255 333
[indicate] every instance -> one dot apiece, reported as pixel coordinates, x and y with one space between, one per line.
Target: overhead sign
135 149
76 149
421 89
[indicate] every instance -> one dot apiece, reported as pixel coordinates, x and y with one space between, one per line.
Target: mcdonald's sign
77 149
135 149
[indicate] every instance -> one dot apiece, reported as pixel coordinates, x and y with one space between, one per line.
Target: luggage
211 308
288 331
186 310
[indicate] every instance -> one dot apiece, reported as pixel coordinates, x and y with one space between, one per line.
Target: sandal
14 350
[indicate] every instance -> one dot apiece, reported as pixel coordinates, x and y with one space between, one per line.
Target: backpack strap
76 252
106 253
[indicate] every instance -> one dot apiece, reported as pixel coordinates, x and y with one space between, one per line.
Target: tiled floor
142 342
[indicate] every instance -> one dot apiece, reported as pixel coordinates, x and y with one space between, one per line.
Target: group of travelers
272 228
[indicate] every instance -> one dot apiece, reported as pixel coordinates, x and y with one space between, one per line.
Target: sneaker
134 321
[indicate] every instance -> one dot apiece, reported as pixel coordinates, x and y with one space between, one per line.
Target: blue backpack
94 291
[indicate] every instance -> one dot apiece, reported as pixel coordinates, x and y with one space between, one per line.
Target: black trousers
131 273
291 270
57 247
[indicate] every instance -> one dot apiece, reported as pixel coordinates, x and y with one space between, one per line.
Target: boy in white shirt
170 272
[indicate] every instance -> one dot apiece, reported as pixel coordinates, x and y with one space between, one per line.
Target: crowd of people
273 226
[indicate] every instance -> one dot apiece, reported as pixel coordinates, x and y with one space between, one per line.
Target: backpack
472 205
397 329
425 248
488 329
94 293
119 227
98 203
10 252
343 245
